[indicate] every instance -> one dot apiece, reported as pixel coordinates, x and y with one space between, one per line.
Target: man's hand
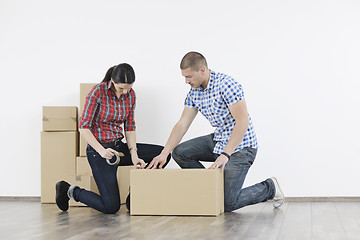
157 162
219 162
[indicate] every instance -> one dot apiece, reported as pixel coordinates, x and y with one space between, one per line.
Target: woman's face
122 88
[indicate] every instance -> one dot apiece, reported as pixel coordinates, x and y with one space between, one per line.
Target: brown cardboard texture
82 166
123 177
83 181
59 119
58 153
82 146
177 192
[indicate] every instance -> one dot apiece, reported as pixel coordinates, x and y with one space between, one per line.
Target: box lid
59 118
59 112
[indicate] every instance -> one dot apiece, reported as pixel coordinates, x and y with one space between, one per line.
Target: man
233 145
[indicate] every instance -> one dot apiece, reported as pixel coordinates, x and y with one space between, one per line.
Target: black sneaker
128 202
62 199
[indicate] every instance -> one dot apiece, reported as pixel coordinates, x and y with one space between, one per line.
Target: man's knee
228 204
228 208
176 153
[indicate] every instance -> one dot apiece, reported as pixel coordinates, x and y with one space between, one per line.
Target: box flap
59 112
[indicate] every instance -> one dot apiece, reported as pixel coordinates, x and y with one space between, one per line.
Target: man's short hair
193 60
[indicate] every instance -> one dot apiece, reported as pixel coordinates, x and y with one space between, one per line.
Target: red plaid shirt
104 113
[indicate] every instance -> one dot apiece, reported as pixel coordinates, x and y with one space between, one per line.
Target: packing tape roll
114 163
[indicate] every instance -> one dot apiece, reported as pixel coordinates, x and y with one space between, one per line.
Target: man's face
193 78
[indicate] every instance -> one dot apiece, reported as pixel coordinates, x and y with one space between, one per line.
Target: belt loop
117 142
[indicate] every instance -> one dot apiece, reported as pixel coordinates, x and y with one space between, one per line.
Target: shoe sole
57 188
277 203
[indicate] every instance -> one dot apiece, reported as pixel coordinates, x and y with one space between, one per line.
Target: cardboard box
123 177
83 181
59 119
82 146
177 192
58 153
82 166
85 88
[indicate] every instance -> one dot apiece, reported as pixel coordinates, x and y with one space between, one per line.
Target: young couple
232 146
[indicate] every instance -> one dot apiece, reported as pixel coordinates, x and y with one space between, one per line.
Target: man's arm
175 137
240 114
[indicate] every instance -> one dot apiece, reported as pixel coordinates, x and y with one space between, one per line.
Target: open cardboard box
177 192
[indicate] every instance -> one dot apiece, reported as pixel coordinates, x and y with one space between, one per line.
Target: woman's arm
131 142
107 153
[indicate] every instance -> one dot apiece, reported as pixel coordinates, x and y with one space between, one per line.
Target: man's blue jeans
189 153
105 176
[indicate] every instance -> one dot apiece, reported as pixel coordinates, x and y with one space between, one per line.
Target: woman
108 105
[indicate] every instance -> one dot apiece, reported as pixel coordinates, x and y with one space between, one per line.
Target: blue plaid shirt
213 102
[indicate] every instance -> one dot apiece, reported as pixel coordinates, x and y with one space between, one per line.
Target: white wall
297 60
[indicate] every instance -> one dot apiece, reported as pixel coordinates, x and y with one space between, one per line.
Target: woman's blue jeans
105 176
189 153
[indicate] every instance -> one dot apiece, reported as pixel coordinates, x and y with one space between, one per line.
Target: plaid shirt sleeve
91 105
231 92
129 123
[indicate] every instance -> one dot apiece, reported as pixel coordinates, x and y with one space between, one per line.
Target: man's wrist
164 153
226 155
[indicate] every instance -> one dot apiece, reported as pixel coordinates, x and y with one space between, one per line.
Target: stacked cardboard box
177 192
59 148
82 166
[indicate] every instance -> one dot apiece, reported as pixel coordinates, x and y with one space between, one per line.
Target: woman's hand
108 153
138 162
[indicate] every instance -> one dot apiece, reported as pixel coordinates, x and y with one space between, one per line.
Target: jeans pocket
91 153
246 155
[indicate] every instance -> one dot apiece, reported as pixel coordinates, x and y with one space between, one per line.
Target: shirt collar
110 91
210 83
211 80
109 85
